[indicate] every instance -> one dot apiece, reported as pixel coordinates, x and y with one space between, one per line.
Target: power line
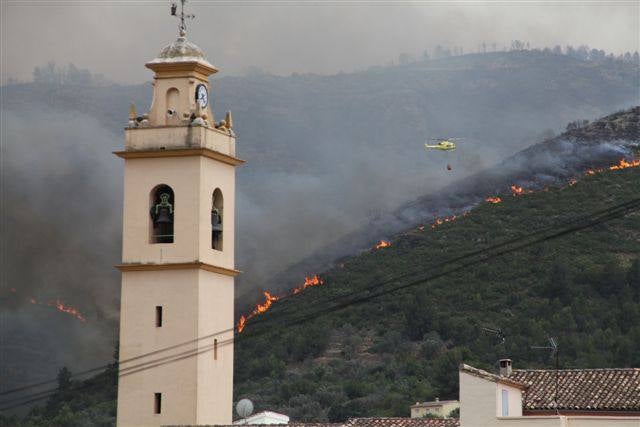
599 217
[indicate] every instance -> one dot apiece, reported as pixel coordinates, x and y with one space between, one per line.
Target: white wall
477 401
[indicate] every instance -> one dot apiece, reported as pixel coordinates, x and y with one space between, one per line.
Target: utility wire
340 296
599 218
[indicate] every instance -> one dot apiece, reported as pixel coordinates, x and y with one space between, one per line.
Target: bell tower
176 316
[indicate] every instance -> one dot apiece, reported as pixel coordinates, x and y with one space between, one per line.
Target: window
162 212
505 403
157 403
158 316
215 349
217 205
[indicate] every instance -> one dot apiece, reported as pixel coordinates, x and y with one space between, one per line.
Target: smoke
293 37
326 156
61 221
551 162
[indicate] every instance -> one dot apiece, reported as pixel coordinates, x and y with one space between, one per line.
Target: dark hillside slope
584 145
325 152
378 357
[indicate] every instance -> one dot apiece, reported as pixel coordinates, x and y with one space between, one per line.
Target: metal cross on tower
182 27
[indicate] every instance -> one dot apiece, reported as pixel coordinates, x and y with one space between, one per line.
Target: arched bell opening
162 214
217 209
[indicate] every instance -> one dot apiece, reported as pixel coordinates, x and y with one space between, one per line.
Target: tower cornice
167 70
182 152
179 266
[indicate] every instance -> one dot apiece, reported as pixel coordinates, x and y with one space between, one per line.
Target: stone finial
228 120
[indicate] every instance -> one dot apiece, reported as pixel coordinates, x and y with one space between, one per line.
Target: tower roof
180 51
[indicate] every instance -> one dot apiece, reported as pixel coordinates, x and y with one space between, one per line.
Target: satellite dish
244 408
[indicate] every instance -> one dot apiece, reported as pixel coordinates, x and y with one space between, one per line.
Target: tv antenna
555 351
497 332
182 27
244 408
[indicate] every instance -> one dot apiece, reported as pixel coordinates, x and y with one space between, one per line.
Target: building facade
176 321
530 398
438 408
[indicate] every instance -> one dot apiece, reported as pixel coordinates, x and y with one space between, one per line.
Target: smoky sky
282 37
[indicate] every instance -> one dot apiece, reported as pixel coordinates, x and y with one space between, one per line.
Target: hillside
377 356
583 145
326 155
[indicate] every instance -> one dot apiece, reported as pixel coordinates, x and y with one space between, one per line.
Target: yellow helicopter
444 144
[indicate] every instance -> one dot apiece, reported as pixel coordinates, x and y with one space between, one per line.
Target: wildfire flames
440 221
519 191
316 281
308 282
58 305
383 244
623 164
61 307
270 299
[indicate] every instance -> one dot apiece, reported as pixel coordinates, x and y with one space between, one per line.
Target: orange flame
308 282
69 310
383 244
518 191
241 323
270 299
623 164
494 200
440 221
61 307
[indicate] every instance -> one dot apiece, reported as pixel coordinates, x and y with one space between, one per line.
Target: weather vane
182 28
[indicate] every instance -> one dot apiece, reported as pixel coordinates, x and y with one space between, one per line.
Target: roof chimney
505 367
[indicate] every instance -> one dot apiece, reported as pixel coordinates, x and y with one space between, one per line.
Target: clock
202 96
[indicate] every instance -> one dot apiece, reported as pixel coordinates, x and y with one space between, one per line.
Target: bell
163 217
216 221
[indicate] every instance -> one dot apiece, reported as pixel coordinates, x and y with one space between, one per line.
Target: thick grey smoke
326 156
316 37
61 199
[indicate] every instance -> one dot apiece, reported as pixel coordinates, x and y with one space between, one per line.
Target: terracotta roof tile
402 422
370 422
581 389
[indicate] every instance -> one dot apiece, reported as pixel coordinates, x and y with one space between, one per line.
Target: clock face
202 96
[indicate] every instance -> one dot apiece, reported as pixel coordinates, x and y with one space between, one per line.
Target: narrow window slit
157 403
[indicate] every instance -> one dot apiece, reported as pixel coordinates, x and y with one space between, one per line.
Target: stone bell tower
176 319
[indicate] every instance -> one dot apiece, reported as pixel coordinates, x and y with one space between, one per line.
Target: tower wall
177 320
166 372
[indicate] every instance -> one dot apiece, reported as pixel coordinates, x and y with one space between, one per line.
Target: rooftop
374 422
580 389
402 422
